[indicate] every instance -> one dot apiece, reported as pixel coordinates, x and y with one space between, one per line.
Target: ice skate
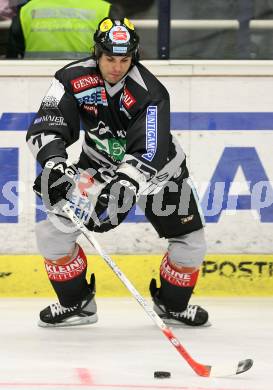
83 313
194 315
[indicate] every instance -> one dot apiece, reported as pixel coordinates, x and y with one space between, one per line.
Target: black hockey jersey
128 122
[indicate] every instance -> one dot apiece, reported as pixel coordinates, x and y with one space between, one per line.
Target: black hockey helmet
116 38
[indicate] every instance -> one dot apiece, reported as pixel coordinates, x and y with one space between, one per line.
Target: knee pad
188 250
53 243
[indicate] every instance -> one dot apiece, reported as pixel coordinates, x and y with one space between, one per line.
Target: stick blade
244 365
223 371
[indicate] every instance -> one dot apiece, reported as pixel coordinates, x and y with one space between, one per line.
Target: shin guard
68 277
171 299
176 286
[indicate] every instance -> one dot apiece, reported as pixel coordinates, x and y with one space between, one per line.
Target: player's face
113 68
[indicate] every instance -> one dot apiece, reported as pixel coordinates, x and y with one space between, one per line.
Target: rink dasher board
234 230
205 97
220 275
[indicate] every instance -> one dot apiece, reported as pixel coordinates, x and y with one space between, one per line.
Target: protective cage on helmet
116 38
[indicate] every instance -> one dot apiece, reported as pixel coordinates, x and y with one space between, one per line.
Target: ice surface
124 348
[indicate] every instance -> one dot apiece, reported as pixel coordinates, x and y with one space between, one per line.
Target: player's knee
69 258
51 243
187 252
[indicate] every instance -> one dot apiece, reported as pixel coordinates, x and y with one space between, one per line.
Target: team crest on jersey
101 130
107 142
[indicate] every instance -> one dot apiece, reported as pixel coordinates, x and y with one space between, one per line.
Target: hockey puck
162 374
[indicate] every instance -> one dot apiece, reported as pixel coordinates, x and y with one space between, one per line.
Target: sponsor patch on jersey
84 82
92 96
151 133
50 102
51 120
128 99
91 108
119 35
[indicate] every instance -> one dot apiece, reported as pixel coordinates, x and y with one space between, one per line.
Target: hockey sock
176 286
68 277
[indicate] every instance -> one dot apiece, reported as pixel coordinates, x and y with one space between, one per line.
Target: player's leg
183 227
66 265
178 276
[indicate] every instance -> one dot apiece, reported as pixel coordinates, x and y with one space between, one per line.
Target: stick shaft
200 369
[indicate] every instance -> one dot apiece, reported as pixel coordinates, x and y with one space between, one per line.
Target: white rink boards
221 113
222 117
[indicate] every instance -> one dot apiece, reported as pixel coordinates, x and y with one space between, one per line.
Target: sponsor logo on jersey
103 95
91 108
84 82
50 102
51 120
92 96
80 203
151 133
128 99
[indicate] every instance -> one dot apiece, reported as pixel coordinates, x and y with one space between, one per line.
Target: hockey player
130 155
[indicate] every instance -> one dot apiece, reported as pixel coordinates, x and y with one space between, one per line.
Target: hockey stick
200 369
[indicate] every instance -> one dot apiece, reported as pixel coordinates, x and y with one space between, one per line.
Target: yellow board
220 275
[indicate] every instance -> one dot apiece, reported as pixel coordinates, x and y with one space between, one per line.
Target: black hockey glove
114 203
55 182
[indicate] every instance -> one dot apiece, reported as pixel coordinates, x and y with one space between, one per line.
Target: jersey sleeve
56 125
148 137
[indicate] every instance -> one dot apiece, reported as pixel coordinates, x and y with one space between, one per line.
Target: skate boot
83 313
194 315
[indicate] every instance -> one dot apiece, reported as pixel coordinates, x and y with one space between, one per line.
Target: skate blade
73 321
177 324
